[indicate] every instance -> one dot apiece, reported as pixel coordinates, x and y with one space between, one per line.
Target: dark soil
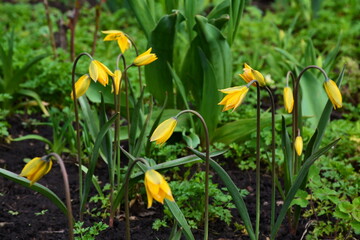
18 218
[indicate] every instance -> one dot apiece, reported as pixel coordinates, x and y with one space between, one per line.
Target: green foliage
189 195
88 233
102 202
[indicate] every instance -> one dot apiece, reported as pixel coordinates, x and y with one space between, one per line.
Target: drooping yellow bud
117 80
156 187
333 93
288 99
81 86
99 72
36 169
164 131
298 145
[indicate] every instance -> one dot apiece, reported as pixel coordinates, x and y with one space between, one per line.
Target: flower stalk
77 125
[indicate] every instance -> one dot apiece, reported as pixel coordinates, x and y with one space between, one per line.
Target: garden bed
28 215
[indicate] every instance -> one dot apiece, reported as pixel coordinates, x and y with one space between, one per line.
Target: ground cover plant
239 118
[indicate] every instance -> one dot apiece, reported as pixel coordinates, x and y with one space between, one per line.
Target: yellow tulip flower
298 145
99 72
81 86
36 169
156 187
145 58
116 35
251 74
235 96
164 131
288 99
333 93
117 81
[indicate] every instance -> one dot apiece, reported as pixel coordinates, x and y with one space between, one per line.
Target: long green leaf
179 216
158 75
36 187
239 130
33 137
234 192
136 121
297 184
36 97
145 17
236 11
93 160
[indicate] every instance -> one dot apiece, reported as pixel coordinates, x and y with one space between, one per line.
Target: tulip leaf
144 15
136 121
303 172
36 187
179 216
233 191
158 75
33 137
106 146
94 158
240 130
236 11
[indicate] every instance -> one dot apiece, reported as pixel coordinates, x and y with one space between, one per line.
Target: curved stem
273 170
207 169
126 196
296 114
137 54
77 125
67 193
257 221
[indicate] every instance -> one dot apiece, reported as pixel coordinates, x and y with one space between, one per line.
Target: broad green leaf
158 75
298 181
239 130
209 109
236 11
144 15
346 207
36 187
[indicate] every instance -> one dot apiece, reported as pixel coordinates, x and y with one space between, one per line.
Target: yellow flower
81 86
36 169
122 40
164 131
333 93
145 58
251 74
117 81
156 187
99 72
298 145
288 99
235 96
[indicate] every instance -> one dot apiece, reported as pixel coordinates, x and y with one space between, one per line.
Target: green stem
77 126
273 170
67 193
257 221
207 169
126 196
